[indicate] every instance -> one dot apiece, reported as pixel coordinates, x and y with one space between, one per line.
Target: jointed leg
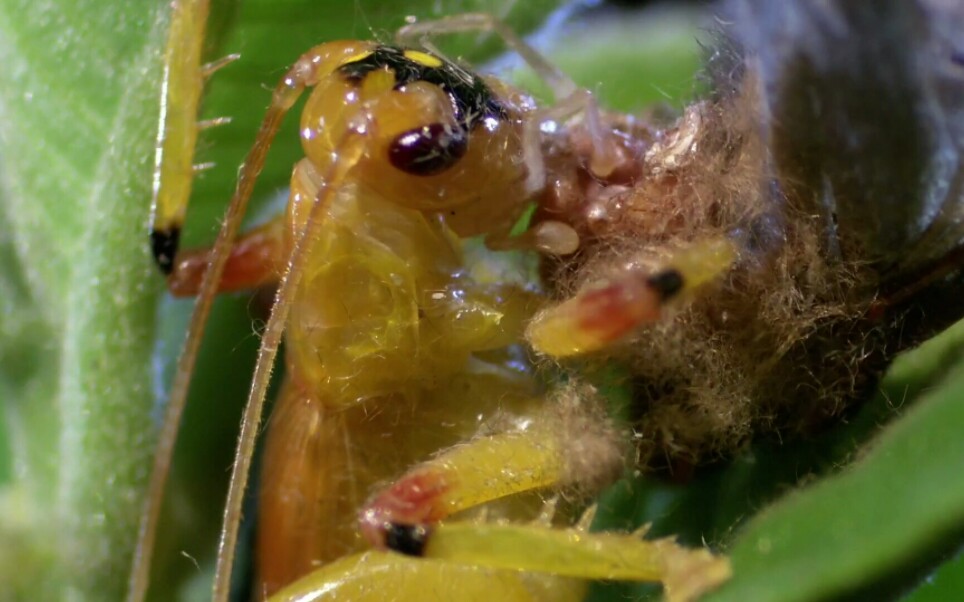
420 33
514 563
601 315
574 553
570 448
376 576
482 470
183 84
256 259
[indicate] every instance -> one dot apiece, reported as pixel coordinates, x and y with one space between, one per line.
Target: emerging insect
395 348
748 236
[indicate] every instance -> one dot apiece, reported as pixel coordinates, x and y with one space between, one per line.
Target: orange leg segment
255 260
603 314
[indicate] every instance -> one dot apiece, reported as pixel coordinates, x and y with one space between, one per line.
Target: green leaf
76 142
881 515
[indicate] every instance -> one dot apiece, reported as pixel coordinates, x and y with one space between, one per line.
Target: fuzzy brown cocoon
593 448
780 344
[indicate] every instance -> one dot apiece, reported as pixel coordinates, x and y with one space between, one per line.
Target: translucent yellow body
387 308
385 364
388 336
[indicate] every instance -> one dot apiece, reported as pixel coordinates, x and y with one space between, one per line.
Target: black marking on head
666 283
471 97
407 539
428 150
164 245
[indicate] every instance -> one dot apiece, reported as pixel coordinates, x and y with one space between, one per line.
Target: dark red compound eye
428 150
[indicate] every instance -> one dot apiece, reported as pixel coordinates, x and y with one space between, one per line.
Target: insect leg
600 315
483 562
284 96
573 552
181 89
560 83
376 576
482 470
552 453
255 260
571 444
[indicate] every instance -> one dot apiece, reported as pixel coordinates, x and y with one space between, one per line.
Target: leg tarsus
603 314
685 573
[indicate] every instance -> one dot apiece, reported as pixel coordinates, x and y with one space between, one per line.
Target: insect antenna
285 94
349 150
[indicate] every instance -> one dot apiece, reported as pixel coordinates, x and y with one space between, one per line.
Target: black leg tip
407 539
164 245
666 283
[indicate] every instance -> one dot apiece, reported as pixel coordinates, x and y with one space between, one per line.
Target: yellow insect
403 362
